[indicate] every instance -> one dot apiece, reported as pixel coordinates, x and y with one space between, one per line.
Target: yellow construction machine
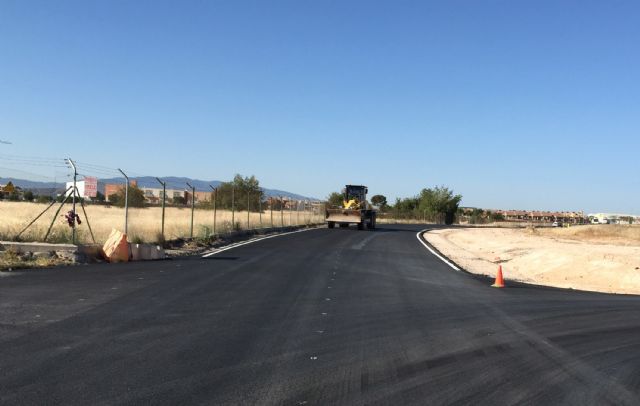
355 209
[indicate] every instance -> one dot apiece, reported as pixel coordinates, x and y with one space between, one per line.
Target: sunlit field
144 224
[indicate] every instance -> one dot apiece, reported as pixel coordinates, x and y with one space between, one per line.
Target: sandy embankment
529 257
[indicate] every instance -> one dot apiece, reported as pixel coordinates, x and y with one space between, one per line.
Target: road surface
313 318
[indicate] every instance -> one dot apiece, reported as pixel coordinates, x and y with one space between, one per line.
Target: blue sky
513 104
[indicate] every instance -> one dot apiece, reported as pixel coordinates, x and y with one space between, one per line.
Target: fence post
215 198
233 207
126 203
271 210
193 205
248 211
164 198
281 213
74 191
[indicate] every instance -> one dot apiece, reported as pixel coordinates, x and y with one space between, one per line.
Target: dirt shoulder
544 258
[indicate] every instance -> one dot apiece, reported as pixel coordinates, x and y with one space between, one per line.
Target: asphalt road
320 317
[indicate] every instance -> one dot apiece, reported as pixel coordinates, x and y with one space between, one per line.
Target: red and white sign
90 186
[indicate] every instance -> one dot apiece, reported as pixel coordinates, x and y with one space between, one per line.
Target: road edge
437 253
512 283
251 241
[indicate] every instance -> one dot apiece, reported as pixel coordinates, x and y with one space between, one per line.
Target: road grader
355 210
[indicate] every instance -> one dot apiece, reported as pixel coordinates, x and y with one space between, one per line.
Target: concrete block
146 252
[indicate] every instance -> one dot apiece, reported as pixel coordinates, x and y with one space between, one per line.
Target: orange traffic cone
499 283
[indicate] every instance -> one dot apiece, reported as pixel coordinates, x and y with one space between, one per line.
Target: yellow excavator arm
351 204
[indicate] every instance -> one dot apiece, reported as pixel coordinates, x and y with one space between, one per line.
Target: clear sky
513 104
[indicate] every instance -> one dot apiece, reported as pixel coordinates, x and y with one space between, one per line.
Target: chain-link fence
169 210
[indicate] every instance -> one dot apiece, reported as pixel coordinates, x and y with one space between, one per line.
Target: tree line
438 204
239 192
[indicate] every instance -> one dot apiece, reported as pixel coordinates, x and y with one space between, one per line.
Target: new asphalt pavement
320 317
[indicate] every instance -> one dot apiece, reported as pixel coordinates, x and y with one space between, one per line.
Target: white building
612 218
79 186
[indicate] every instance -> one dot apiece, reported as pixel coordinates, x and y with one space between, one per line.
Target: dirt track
527 257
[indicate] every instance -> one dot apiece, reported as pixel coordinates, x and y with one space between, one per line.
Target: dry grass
603 233
144 224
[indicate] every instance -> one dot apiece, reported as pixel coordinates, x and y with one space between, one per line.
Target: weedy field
617 234
144 223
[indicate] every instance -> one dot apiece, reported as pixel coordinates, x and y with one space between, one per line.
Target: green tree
99 197
238 190
380 201
179 200
28 196
43 199
135 197
438 201
114 198
335 199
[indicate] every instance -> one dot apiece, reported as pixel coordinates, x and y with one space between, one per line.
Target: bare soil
605 260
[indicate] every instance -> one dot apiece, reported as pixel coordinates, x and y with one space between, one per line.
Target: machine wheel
344 225
361 225
331 224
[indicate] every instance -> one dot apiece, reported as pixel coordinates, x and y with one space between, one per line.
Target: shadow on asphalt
222 258
380 229
395 230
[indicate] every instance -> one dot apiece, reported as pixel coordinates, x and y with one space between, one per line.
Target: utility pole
193 205
215 198
126 202
164 198
74 191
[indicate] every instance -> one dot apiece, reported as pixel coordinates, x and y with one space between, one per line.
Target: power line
31 158
27 173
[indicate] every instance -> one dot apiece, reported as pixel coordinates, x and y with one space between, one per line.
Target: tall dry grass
144 223
602 233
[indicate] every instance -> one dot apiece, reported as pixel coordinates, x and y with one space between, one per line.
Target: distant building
613 218
79 186
114 188
154 195
571 217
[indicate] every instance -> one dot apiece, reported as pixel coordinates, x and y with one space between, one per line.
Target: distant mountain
172 182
